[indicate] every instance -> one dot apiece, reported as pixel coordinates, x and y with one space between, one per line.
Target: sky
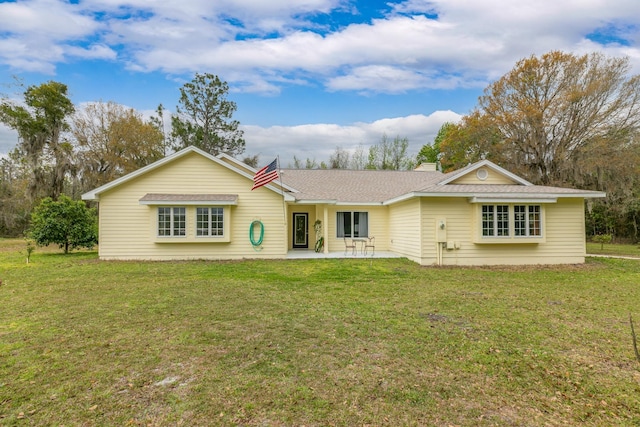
307 75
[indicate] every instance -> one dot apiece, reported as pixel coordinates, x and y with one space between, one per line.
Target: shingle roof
356 186
366 186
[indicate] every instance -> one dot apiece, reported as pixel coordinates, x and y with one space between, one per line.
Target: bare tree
552 107
389 154
113 140
566 120
339 159
358 158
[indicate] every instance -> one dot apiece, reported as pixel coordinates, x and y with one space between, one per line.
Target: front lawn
340 342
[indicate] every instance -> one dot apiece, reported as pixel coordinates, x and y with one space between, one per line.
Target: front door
301 230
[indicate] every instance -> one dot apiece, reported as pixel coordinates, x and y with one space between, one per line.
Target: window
172 221
496 220
353 224
209 221
527 220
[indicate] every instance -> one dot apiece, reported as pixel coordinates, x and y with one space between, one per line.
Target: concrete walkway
309 254
613 256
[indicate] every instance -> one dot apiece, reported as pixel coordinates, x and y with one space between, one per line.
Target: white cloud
319 141
431 44
467 45
37 33
314 141
93 52
388 79
8 139
55 19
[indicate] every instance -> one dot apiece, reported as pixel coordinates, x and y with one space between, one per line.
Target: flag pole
284 205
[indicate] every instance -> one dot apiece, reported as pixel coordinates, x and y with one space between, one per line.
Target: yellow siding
563 228
378 226
493 177
405 229
128 230
456 213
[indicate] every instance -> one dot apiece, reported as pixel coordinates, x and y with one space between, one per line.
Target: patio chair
349 244
370 243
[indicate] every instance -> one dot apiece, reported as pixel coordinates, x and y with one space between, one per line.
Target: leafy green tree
430 153
203 117
251 160
308 163
158 121
311 164
40 124
474 138
65 222
372 158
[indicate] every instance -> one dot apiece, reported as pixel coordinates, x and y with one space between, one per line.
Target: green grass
613 249
314 342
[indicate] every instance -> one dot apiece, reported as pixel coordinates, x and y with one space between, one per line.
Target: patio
308 254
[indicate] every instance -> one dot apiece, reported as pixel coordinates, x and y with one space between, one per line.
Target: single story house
193 205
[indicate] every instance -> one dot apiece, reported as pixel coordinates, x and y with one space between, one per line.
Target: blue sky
307 75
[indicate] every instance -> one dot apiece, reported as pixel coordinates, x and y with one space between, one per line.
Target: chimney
427 167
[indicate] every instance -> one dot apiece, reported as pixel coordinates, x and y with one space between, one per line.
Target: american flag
266 175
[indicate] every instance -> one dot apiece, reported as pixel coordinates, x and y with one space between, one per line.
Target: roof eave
95 193
360 203
489 164
500 196
314 201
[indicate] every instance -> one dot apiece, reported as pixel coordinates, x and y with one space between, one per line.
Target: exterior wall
128 230
457 215
563 239
405 229
493 177
378 226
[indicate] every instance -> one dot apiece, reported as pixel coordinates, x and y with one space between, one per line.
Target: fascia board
316 202
549 197
400 198
95 193
513 199
489 164
359 203
189 203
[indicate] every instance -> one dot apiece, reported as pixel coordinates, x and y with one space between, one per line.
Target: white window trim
191 225
224 221
171 223
511 238
527 221
352 224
